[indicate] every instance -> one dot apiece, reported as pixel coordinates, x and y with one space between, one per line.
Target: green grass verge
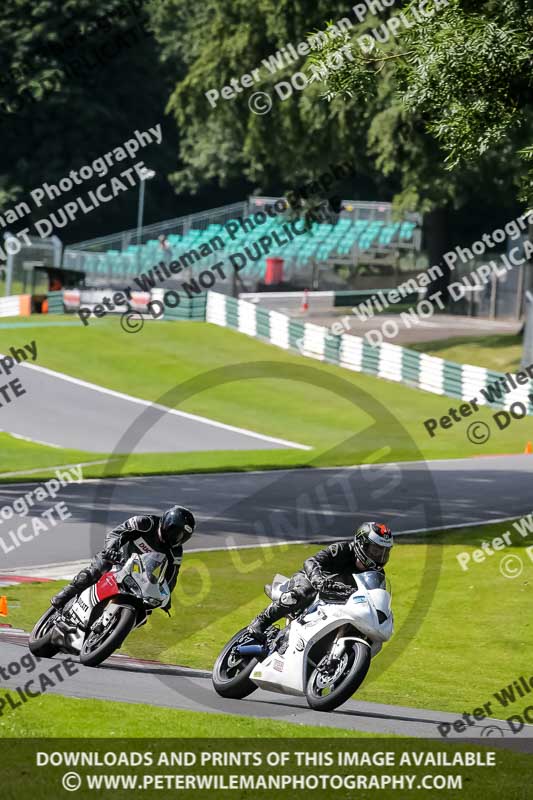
501 353
165 355
18 454
473 621
52 716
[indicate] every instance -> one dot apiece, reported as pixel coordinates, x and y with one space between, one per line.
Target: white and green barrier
390 361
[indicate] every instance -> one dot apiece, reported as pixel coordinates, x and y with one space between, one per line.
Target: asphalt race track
246 509
254 508
68 412
181 688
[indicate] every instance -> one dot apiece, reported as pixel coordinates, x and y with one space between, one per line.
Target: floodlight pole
146 175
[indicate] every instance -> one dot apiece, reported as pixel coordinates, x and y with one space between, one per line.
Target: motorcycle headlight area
151 601
131 586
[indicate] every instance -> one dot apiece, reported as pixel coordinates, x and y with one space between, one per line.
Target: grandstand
363 233
361 230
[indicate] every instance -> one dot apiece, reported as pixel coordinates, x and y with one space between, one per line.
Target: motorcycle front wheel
101 641
332 684
231 673
40 641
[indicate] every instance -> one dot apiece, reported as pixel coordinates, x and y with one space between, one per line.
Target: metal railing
178 225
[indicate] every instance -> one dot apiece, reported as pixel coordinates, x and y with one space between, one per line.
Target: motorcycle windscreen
155 567
373 579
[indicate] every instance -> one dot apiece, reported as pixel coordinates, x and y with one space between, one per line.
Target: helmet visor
174 535
181 537
378 552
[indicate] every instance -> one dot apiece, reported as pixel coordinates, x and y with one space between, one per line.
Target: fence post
9 273
527 344
493 293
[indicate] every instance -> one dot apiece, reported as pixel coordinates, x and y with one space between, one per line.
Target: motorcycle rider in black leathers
141 534
329 572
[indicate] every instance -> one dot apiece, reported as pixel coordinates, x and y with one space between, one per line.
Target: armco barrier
16 305
390 361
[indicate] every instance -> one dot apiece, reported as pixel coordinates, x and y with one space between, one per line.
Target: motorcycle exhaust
250 649
63 635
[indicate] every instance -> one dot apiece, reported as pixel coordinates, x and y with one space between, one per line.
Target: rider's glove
113 554
335 588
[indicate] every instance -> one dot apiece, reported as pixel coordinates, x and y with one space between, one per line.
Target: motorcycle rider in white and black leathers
140 534
324 572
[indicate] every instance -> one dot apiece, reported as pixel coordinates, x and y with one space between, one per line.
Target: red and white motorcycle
96 622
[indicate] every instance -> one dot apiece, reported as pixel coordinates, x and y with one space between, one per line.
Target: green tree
369 119
465 73
75 81
213 42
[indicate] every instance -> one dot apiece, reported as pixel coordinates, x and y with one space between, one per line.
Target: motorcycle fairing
106 587
287 673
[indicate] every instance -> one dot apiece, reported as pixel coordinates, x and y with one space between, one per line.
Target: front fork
339 643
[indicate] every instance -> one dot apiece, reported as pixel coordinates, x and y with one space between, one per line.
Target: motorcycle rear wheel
97 647
40 641
324 695
231 672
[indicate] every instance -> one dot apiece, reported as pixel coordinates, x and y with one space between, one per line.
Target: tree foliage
222 39
465 73
437 116
76 80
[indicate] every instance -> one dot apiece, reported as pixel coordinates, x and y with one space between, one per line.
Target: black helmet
372 544
176 526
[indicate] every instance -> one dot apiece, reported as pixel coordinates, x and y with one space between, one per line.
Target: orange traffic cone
305 302
3 606
529 448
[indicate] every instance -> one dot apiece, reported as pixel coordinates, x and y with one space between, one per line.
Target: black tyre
40 641
231 673
100 644
324 691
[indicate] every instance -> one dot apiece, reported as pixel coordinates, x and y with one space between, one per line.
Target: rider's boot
258 626
81 581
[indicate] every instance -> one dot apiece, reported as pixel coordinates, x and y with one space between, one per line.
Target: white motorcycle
323 654
96 622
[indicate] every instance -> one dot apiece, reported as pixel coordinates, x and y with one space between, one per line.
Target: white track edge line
204 420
